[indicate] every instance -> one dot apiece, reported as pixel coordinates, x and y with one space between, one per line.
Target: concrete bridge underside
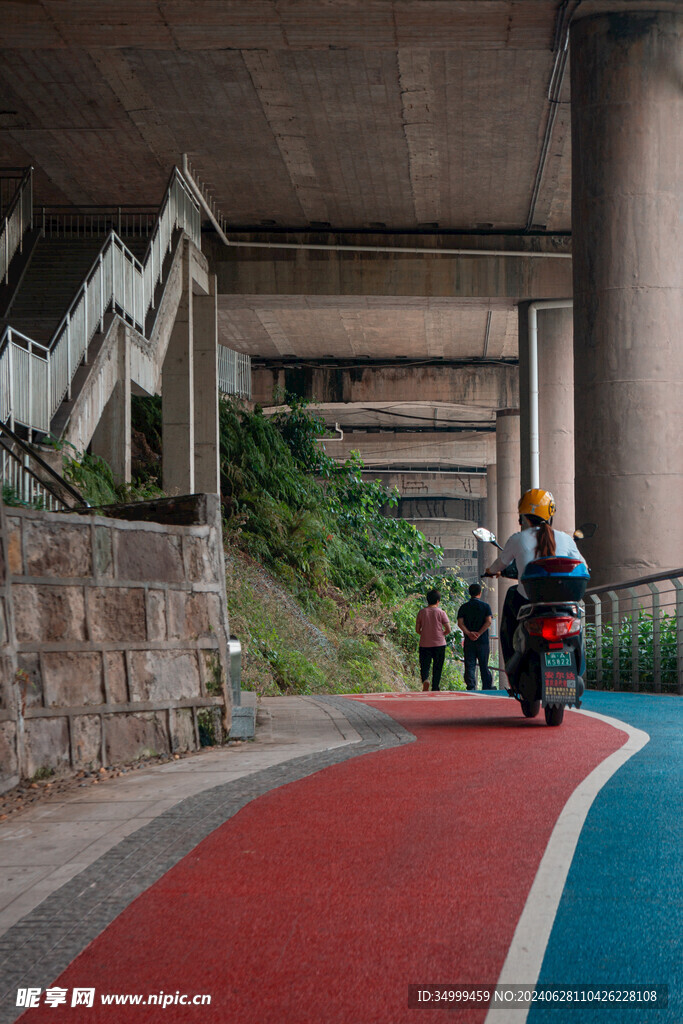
347 144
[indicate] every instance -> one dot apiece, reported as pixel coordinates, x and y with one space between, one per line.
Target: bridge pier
507 480
627 168
189 389
555 356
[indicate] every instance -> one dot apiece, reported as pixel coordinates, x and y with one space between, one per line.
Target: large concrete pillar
112 437
177 396
205 348
508 486
487 551
555 355
627 181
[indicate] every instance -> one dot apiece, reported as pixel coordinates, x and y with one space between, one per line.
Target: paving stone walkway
71 869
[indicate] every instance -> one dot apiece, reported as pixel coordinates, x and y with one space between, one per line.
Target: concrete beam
482 386
276 271
422 484
426 449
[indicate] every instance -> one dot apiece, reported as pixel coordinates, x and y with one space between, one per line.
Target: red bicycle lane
324 899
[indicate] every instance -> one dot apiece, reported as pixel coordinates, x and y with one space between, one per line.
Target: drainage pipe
534 457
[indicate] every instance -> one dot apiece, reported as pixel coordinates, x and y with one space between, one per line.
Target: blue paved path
620 919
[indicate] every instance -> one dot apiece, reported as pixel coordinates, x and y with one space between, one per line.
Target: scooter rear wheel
530 708
554 714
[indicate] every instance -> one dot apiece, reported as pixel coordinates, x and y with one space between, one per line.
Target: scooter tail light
554 628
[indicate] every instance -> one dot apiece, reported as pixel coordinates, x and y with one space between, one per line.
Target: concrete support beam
177 396
423 484
555 353
414 449
482 386
112 437
205 348
627 181
508 478
246 271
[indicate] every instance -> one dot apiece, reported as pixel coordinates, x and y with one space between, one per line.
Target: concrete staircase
53 276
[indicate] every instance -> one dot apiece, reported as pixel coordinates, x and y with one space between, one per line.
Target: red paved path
321 901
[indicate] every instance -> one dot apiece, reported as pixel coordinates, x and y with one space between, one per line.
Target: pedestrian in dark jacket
474 619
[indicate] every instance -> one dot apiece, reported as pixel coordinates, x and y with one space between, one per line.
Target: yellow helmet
537 503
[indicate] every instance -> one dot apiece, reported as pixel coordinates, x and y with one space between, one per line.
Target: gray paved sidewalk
96 864
49 844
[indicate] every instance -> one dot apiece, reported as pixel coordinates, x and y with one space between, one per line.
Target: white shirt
521 548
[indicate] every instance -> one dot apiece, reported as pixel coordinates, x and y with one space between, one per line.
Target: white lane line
523 963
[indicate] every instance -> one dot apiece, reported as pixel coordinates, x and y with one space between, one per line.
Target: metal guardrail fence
95 221
17 220
116 280
234 372
10 180
634 634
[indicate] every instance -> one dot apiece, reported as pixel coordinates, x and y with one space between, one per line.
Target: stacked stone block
120 637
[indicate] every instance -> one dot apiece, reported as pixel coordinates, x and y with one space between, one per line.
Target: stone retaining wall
114 634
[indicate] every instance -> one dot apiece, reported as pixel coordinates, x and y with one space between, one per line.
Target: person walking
433 626
474 619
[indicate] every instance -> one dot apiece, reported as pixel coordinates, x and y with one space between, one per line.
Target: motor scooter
548 666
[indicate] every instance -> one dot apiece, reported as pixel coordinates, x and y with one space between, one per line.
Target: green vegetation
645 634
357 575
12 497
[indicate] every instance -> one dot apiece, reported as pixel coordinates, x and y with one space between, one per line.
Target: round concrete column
555 329
487 552
627 181
508 477
556 410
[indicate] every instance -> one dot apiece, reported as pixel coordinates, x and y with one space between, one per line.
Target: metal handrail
95 220
116 280
26 483
17 220
632 604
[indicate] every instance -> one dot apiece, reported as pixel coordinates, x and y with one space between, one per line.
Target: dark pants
513 602
477 651
427 656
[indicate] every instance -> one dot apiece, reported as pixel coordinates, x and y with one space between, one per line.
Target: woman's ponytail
545 540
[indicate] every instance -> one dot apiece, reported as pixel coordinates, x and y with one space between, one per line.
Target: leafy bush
312 521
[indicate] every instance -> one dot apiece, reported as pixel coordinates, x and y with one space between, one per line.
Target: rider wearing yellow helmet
536 539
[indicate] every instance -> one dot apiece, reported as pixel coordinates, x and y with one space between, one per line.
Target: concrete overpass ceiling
380 114
344 327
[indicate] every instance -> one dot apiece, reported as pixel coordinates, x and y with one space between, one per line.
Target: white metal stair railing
94 221
28 480
234 372
116 281
18 220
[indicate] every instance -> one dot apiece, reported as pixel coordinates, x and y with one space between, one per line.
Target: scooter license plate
559 678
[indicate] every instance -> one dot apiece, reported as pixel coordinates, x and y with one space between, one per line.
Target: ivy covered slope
323 586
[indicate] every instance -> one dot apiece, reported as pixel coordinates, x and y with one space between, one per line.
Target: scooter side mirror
481 533
585 532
